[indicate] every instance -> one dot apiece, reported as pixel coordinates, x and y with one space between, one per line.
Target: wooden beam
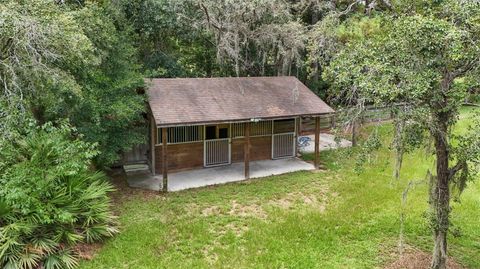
298 132
317 142
246 150
164 160
153 141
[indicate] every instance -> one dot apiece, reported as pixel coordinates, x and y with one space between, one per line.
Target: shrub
50 199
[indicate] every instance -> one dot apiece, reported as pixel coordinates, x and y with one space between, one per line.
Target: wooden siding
138 154
180 156
186 156
190 155
261 148
283 126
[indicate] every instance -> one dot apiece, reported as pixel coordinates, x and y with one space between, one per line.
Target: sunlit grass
330 219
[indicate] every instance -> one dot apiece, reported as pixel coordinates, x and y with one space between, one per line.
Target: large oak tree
418 60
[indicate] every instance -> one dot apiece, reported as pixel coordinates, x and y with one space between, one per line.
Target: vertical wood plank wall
186 156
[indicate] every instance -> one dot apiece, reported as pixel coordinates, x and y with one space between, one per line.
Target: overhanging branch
458 167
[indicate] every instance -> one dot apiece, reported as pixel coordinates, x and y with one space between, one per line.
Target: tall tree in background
70 61
167 43
109 111
204 38
418 60
37 40
252 35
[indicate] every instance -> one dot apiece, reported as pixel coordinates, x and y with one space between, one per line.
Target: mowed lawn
333 218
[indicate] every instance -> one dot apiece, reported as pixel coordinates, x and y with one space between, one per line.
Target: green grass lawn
334 218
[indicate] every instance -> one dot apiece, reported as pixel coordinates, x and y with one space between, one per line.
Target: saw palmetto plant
51 200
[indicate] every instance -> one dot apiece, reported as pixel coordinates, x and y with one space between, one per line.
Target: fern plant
51 199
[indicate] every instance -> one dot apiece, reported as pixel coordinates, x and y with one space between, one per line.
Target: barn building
207 122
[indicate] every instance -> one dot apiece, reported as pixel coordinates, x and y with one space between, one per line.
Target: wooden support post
153 141
317 142
164 160
246 150
298 133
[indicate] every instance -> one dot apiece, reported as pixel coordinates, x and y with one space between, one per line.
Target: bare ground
417 259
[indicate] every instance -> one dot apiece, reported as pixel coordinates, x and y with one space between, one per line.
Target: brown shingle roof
201 100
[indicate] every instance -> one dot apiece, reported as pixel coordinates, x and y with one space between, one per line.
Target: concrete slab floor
218 175
327 142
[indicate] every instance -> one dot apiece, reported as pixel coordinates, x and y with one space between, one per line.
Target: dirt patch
321 168
209 250
237 229
124 192
235 209
210 256
417 259
317 198
251 210
87 251
210 211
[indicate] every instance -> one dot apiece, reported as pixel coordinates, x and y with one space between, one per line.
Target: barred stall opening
261 128
217 152
182 134
283 145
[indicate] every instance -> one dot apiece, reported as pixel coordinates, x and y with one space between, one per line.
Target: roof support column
317 142
246 150
164 160
298 132
153 141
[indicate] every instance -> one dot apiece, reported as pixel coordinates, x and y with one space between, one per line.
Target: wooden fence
327 122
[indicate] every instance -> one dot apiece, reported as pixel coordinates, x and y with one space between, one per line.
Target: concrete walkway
217 175
327 142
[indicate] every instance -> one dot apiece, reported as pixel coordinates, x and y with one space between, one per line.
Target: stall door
283 139
217 147
283 145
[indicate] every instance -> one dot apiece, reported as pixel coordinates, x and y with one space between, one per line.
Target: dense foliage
62 61
235 38
69 61
50 199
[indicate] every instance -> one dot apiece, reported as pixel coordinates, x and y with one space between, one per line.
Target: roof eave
166 125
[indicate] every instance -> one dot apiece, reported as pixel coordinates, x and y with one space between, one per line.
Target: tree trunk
286 63
440 195
367 9
264 59
38 112
237 55
399 145
354 133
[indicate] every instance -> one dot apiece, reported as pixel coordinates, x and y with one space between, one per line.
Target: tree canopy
68 61
418 60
